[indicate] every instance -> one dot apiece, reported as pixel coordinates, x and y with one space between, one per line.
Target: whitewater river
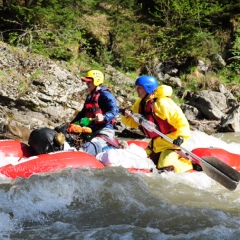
115 204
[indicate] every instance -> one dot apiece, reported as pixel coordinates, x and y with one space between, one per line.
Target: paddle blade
220 172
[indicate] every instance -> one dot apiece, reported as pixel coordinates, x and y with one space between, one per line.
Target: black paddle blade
220 172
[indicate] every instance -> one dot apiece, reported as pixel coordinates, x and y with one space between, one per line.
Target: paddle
212 166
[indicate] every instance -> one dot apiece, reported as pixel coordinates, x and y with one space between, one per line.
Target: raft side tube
229 158
15 148
50 162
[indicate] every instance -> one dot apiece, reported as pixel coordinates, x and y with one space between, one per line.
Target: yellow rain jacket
166 109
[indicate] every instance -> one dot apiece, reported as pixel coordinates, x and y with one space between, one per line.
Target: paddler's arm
129 121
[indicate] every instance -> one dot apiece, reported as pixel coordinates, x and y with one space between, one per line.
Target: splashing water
113 203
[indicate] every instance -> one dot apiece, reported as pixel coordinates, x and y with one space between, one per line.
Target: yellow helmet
94 75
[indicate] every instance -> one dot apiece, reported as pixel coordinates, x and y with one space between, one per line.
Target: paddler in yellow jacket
156 105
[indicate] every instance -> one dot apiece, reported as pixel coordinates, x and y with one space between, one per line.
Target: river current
113 203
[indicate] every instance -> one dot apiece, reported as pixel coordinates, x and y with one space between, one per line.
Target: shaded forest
130 35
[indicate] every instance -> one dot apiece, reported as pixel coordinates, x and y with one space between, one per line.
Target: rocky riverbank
37 92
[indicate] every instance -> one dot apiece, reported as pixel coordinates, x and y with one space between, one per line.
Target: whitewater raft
17 159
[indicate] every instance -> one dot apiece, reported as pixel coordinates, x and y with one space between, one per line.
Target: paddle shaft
151 127
188 152
216 169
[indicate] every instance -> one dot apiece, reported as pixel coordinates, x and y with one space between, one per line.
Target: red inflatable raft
230 159
14 148
25 164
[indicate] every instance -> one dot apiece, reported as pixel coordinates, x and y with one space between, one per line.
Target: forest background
133 36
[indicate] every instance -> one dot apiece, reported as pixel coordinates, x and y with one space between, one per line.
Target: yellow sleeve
166 109
130 121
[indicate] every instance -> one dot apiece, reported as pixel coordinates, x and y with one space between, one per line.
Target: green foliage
21 86
3 77
184 28
36 74
227 75
132 75
235 63
166 30
118 4
51 29
175 13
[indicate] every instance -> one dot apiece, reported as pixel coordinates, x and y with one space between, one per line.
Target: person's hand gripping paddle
212 166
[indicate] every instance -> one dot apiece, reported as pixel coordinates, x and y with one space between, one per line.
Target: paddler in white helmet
156 105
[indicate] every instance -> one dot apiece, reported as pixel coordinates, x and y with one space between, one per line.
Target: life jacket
163 126
92 106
